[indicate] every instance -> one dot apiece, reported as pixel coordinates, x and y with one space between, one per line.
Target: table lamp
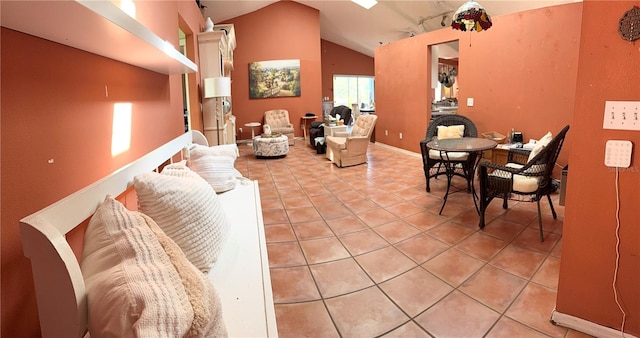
217 87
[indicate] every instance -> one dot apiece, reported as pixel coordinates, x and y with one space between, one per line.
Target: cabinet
497 155
216 60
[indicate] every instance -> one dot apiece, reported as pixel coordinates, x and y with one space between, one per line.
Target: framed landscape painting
276 78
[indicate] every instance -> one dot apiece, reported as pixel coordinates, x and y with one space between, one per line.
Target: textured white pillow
230 150
188 210
218 170
456 131
540 145
137 289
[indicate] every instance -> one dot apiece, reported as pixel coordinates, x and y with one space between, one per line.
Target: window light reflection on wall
121 132
128 7
366 3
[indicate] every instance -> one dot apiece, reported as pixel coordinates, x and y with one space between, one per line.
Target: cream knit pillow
187 210
139 283
218 170
445 132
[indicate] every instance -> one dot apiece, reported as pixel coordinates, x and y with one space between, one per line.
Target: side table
304 125
252 125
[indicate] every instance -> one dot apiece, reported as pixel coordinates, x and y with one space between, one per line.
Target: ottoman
271 146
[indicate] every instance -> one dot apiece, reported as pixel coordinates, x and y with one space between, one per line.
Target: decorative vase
208 25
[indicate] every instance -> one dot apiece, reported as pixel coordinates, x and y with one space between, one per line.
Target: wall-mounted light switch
621 115
470 102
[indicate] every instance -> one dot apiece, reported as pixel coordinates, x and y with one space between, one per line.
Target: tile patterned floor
362 252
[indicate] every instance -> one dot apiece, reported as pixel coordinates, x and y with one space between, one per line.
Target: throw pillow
187 210
540 145
230 150
218 170
137 289
456 131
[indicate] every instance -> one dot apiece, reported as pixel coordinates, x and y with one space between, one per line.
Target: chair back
470 129
276 118
364 125
344 111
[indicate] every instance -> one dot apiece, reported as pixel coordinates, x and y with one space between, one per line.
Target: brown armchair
526 176
351 148
278 121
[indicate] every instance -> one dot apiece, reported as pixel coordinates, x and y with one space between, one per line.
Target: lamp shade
217 87
471 16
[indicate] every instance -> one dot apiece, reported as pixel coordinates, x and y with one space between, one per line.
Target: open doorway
444 78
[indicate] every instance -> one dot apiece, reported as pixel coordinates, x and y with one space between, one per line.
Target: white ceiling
347 24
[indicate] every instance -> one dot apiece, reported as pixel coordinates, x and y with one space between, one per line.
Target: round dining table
474 146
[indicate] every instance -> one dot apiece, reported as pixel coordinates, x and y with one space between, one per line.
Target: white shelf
98 27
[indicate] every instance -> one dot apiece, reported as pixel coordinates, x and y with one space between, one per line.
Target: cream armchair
278 121
346 149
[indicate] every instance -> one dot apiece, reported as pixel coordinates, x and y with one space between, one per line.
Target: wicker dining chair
433 161
525 177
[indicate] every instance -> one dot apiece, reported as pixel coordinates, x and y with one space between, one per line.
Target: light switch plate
621 115
470 102
618 153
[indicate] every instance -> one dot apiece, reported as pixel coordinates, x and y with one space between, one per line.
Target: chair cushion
521 183
452 155
540 145
456 131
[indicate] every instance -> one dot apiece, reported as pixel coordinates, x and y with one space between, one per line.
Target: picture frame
274 78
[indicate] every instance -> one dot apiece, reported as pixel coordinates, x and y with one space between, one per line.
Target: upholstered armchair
526 176
278 121
351 148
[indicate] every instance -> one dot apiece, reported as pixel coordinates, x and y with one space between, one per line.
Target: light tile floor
362 252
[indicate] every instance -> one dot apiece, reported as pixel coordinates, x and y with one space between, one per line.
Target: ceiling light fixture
471 16
366 3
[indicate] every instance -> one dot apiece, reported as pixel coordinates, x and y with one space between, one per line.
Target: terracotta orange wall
521 74
608 69
283 30
338 60
54 107
402 85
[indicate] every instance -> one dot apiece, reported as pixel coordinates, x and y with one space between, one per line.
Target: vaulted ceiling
347 24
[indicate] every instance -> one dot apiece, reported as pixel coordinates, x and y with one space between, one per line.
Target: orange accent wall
283 30
608 69
54 107
521 74
338 60
288 30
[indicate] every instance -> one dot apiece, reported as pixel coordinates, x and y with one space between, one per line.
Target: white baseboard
404 151
586 326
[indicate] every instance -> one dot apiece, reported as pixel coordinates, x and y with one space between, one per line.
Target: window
348 89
